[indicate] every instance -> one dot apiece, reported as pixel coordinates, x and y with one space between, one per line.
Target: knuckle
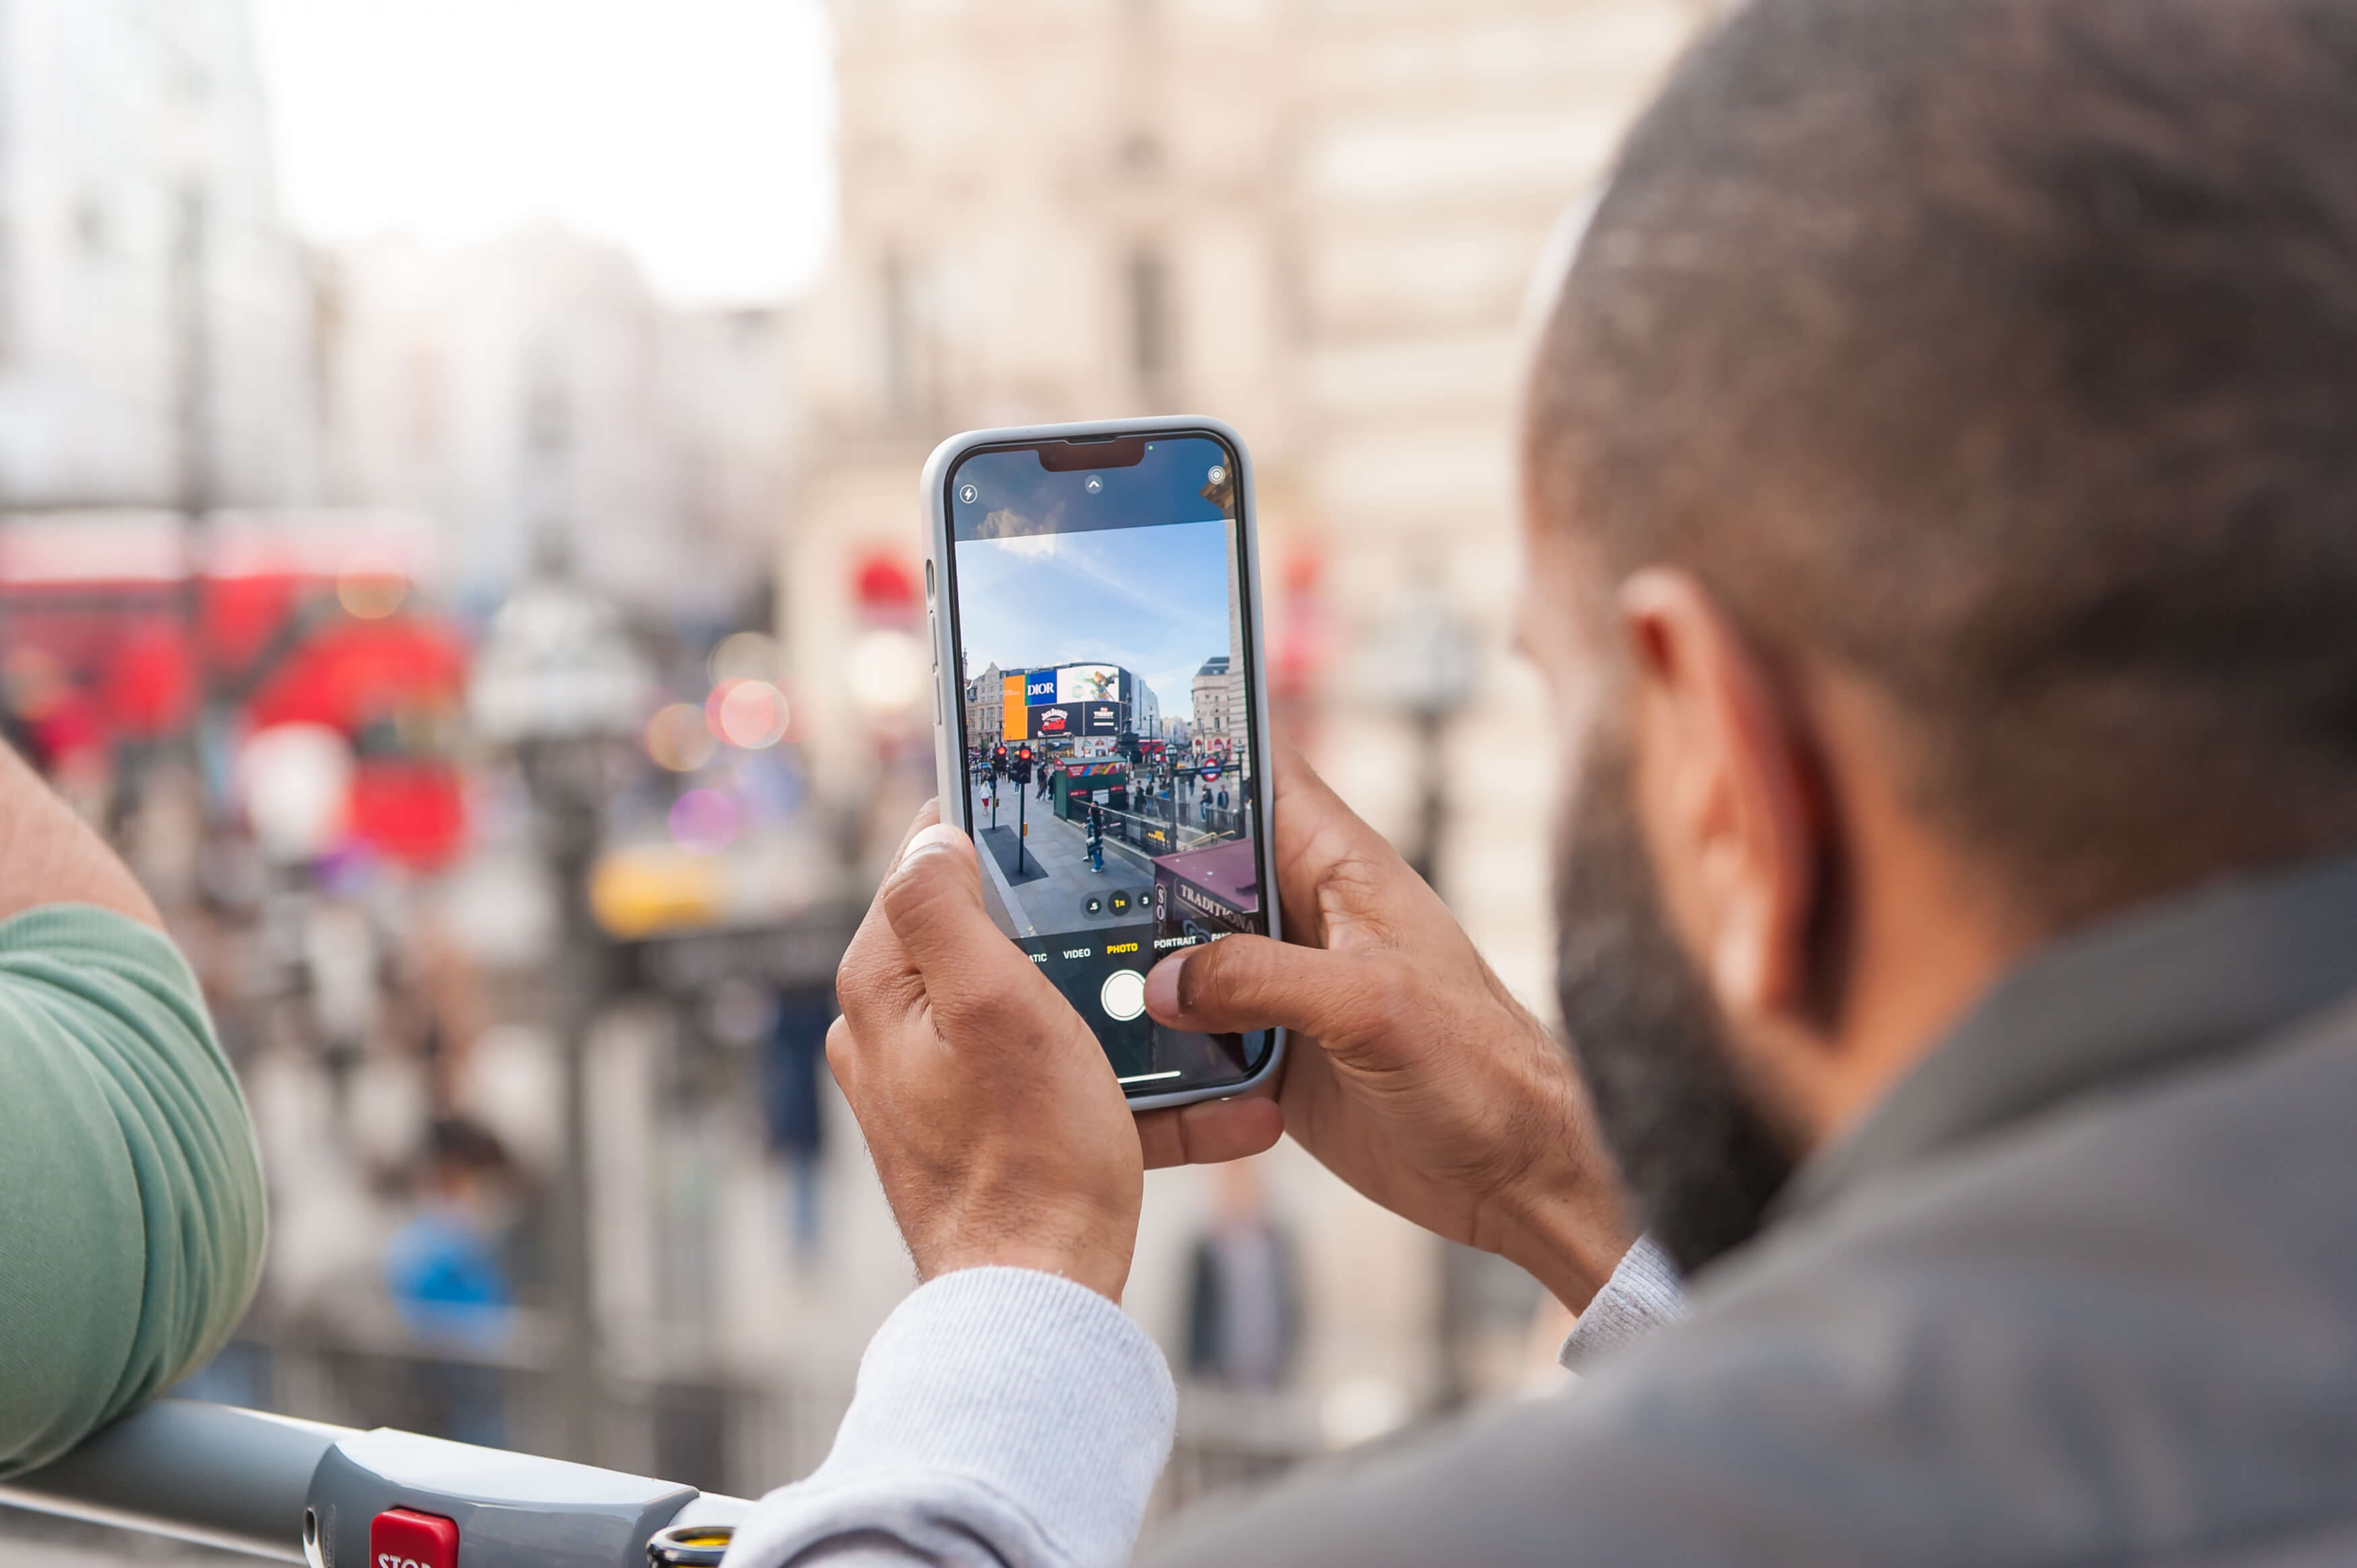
863 956
1379 986
915 891
859 990
907 889
842 1050
973 1015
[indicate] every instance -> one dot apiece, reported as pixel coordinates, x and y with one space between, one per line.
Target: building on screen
1069 709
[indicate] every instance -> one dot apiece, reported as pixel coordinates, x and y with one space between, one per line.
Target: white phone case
949 696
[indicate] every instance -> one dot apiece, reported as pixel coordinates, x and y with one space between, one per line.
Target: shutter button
403 1538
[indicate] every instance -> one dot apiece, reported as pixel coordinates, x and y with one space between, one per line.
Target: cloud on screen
1152 599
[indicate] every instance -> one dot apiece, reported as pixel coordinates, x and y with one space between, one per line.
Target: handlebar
269 1485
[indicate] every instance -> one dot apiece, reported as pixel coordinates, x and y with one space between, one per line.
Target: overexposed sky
696 134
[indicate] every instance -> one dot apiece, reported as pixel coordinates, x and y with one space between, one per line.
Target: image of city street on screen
1113 656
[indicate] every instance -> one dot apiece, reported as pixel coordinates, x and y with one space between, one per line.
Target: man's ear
1729 794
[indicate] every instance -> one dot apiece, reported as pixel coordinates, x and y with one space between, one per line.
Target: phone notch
1075 457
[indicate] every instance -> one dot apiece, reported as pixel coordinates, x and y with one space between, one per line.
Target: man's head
1941 467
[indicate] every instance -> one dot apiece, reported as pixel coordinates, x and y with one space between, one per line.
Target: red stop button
403 1538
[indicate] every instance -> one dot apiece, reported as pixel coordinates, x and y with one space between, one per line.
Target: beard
1700 1162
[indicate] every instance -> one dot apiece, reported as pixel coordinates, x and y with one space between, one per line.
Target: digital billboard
1039 688
1011 708
1100 718
1088 683
1051 722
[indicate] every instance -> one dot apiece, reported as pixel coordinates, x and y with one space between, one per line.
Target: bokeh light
887 672
294 781
703 821
749 714
678 738
371 592
745 656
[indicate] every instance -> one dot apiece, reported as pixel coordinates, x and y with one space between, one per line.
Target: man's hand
1412 1074
991 1112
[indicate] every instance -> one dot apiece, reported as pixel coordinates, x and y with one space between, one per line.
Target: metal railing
301 1491
1160 826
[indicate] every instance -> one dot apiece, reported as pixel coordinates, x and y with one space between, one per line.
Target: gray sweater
2082 1288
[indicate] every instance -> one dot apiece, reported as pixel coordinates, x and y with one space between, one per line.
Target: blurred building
532 392
156 332
1317 220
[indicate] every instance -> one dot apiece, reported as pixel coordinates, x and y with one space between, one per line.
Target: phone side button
933 638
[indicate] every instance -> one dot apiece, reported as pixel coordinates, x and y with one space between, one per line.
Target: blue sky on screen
1154 600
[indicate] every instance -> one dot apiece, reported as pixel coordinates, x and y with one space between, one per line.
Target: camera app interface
1107 736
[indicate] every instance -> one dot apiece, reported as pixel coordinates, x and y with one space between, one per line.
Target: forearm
49 856
1563 1221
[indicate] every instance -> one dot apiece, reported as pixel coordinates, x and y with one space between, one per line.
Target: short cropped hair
2004 352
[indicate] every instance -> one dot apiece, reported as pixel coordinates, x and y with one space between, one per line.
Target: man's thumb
1242 983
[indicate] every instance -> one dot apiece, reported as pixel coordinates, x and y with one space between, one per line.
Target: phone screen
1106 648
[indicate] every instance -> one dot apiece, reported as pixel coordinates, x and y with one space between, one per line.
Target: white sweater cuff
996 1406
1645 1292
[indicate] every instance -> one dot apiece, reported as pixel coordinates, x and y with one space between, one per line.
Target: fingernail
1162 985
940 836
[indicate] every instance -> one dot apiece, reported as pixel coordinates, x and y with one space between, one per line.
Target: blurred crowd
509 681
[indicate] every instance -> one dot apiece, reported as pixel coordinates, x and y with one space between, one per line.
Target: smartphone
1101 716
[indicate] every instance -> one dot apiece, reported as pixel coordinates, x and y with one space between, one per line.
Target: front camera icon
968 494
1093 486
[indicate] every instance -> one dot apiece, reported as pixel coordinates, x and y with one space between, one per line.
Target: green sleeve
130 1202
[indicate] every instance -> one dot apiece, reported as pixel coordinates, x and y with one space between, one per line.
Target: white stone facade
143 258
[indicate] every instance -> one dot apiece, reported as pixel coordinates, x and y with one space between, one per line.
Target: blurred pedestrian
793 1070
443 1267
1243 1300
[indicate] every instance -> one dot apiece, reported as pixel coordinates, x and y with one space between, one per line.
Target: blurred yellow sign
648 889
